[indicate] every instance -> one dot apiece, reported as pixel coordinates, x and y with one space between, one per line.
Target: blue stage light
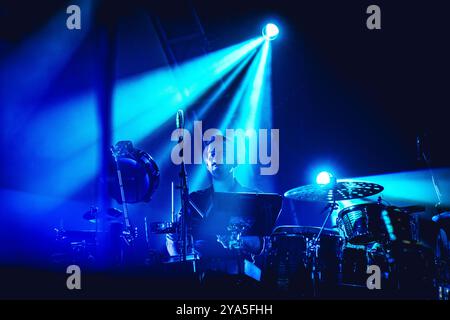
323 178
270 31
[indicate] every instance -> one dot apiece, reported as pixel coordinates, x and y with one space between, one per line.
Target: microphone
180 119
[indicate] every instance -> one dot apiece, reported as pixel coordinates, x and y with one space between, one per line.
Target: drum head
361 207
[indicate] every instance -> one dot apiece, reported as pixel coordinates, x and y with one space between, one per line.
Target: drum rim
360 205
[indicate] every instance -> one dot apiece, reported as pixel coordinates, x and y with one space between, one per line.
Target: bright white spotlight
323 178
270 31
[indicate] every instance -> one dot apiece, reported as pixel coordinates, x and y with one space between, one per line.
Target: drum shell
372 222
399 225
289 264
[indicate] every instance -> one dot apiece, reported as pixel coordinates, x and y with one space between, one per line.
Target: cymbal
344 190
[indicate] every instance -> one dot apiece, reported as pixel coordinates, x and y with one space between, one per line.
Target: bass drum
290 265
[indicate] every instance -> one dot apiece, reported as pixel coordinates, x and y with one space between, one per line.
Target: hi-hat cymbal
344 190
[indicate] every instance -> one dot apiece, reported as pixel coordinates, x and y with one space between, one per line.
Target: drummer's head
215 158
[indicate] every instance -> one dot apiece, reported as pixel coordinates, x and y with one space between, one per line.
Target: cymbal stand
314 245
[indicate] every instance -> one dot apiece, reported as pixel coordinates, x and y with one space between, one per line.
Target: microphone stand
330 206
433 180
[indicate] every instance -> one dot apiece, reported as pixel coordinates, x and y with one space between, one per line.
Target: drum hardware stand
235 242
330 193
185 219
172 211
421 155
93 210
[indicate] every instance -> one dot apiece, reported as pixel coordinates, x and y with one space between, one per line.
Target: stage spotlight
323 178
270 31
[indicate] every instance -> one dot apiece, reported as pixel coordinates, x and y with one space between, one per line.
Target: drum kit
297 261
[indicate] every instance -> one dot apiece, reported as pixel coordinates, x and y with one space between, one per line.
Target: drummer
222 177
